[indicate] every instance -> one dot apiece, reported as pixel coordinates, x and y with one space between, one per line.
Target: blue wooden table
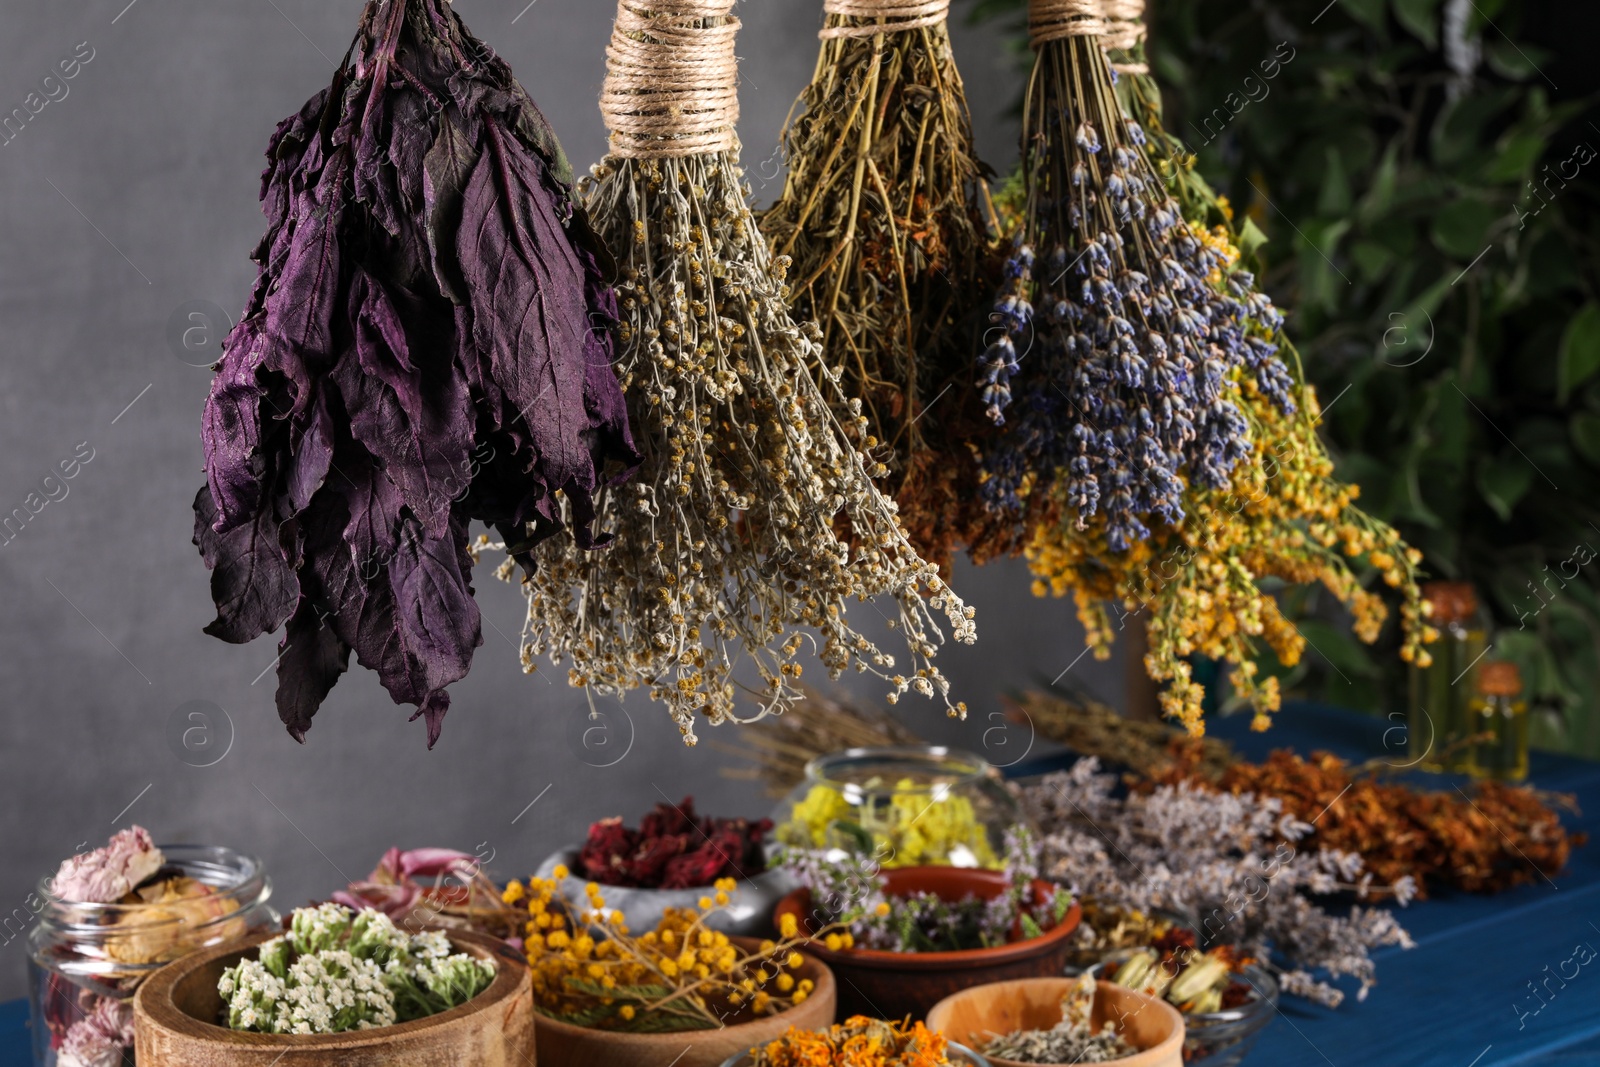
1464 997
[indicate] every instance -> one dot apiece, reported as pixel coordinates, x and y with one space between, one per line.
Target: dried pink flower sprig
1228 860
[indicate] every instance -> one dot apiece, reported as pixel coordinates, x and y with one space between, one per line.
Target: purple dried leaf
311 657
252 584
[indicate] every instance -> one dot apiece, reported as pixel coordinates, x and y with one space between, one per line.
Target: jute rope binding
1125 30
898 15
671 75
1056 20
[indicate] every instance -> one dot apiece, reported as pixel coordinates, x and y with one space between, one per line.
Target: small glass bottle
1439 716
1500 719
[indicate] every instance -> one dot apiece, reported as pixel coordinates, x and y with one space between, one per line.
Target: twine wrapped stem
671 79
1118 23
895 16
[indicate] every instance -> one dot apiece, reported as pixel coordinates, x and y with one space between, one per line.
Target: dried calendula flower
754 520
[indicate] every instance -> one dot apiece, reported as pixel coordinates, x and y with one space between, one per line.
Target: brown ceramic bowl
893 985
564 1045
974 1016
176 1009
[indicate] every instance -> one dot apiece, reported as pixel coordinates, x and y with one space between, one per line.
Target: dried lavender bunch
1227 859
883 211
1126 349
755 518
420 351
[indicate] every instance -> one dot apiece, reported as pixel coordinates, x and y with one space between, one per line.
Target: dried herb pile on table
1166 450
884 213
424 346
1495 837
673 848
755 519
1240 864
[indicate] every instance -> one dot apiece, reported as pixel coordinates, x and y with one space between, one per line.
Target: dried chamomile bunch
884 213
754 518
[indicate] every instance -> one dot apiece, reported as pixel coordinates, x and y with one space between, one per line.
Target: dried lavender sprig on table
420 351
1123 347
1211 855
755 518
885 210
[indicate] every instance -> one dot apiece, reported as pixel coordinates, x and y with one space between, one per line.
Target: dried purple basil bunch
1123 322
427 344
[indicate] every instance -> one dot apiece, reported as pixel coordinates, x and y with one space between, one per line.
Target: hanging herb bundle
755 517
420 350
1281 515
1126 351
883 212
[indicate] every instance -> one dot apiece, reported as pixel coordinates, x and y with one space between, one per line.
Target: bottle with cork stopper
1439 722
1500 721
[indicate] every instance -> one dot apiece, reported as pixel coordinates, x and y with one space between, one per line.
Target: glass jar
905 806
86 960
1500 719
1439 717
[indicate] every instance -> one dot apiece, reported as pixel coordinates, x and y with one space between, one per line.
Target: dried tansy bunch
1241 864
1498 837
590 970
883 211
420 351
755 518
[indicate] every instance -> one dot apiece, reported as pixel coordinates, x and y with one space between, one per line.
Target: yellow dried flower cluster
590 970
755 519
1284 516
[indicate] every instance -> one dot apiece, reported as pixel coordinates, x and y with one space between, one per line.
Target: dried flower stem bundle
815 725
1091 728
1126 351
1499 837
1186 848
883 213
755 516
1281 515
419 352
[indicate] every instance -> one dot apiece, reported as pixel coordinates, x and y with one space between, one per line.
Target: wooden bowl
975 1015
893 985
174 1012
564 1045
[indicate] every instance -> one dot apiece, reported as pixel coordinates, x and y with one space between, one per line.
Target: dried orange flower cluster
1500 836
591 971
856 1042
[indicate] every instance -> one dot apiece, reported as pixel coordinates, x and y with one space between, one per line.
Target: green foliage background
1431 212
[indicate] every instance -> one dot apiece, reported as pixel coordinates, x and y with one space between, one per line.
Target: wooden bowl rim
797 902
153 1001
826 990
1173 1042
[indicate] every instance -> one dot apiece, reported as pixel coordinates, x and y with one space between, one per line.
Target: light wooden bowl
975 1015
174 1012
564 1045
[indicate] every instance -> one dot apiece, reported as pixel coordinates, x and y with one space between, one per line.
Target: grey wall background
136 193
